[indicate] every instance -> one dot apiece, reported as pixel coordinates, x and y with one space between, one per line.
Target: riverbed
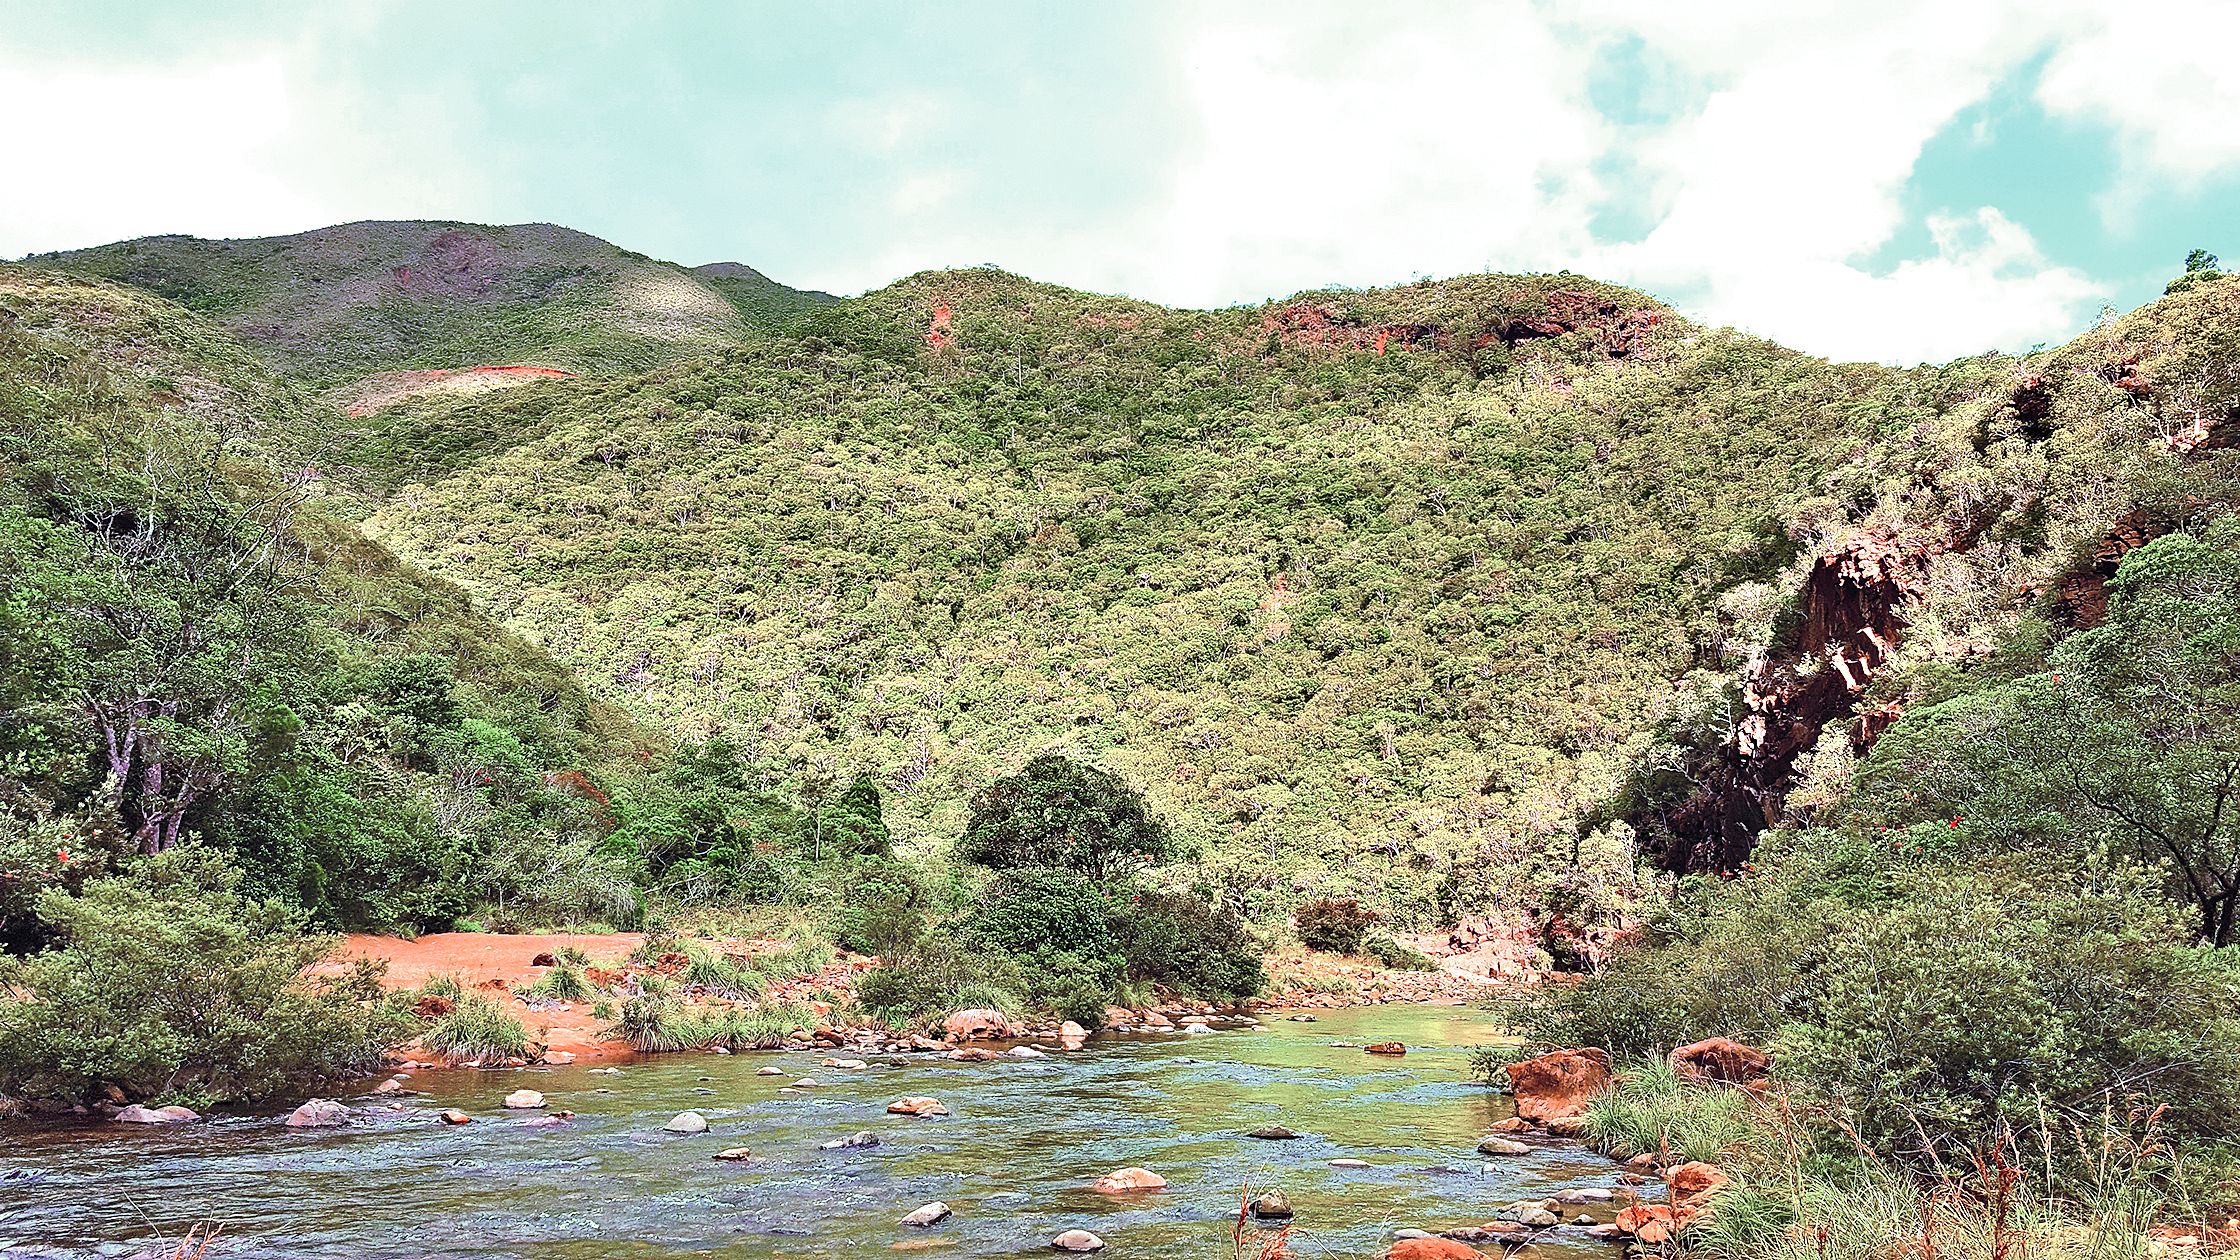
1023 1140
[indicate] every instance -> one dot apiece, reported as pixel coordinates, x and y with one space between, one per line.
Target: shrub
1182 940
1047 909
475 1029
168 982
882 907
1335 925
1058 813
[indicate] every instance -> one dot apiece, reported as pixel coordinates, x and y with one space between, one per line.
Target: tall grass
475 1028
1651 1110
567 982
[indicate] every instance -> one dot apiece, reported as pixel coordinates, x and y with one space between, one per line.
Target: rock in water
770 1071
967 1025
1077 1240
319 1113
686 1122
524 1100
1432 1249
1273 1133
929 1215
137 1114
1533 1215
1128 1179
455 1116
917 1105
1349 1163
1386 1047
734 1154
1552 1090
1502 1146
861 1138
1275 1205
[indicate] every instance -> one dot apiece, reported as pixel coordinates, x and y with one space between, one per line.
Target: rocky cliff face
1854 608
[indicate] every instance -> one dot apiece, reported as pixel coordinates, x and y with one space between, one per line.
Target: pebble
1349 1163
770 1071
929 1215
733 1154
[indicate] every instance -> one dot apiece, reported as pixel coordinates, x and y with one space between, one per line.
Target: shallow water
1024 1138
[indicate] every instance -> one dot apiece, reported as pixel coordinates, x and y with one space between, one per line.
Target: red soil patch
496 964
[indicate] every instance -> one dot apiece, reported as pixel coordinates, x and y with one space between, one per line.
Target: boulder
733 1154
137 1114
1652 1223
1386 1047
1553 1090
917 1105
770 1071
1719 1061
686 1122
452 1115
1127 1179
1502 1146
1532 1215
1025 1052
559 1058
929 1215
974 1054
1513 1124
524 1100
1591 1195
803 1083
1275 1205
393 1085
854 1141
1153 1019
1432 1249
1070 1031
1077 1240
1694 1182
977 1023
319 1113
1272 1133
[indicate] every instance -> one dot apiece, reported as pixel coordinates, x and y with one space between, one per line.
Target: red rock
1128 1179
544 960
1694 1183
1651 1222
968 1025
917 1105
1386 1047
1432 1249
1719 1061
455 1116
1552 1090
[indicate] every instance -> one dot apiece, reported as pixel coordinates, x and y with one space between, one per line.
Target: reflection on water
1023 1138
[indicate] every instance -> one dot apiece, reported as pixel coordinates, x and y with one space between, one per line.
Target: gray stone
687 1122
929 1215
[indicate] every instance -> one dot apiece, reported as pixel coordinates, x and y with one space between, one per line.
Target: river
1012 1160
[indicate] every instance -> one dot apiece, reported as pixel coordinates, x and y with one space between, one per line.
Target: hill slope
762 302
1377 591
338 304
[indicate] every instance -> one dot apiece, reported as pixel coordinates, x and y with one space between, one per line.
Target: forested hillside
1453 596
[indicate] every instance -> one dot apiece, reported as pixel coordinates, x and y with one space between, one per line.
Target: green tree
1059 813
2131 739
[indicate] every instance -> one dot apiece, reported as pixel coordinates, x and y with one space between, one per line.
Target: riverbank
505 967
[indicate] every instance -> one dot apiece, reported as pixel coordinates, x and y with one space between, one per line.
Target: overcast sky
1888 180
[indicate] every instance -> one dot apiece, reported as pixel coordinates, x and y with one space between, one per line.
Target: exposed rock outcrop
1553 1090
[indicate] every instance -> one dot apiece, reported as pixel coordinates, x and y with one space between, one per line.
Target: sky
1896 181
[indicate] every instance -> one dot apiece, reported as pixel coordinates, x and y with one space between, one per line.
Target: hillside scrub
169 983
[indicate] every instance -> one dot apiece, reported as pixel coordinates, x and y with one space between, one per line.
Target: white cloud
1367 149
2161 73
97 155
